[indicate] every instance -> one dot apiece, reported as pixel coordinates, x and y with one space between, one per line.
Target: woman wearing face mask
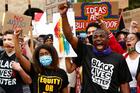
46 76
133 59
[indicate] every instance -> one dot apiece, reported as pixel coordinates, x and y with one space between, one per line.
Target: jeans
133 90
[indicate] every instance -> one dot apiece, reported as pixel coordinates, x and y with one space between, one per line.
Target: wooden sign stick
29 4
31 41
6 5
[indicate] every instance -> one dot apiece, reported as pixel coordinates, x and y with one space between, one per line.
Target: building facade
52 7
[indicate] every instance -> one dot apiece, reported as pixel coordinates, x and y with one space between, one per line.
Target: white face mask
8 43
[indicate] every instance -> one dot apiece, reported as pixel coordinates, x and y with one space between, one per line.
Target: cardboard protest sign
131 15
12 21
1 15
88 11
122 3
62 46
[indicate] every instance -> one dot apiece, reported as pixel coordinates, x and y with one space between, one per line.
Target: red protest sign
88 12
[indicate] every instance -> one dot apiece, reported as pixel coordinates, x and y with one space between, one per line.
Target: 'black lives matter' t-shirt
50 82
101 74
10 80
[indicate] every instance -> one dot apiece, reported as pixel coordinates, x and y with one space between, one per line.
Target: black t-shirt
49 82
138 69
101 74
10 80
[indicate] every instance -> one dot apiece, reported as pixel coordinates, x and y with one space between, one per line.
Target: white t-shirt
71 76
133 66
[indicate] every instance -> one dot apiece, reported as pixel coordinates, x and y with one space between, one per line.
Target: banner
131 15
122 3
88 11
1 16
12 21
63 47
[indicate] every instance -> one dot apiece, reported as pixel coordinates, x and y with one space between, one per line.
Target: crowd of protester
105 62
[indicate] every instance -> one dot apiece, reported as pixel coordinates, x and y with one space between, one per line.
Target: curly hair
55 60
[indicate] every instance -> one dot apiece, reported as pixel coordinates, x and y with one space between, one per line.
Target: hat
49 36
43 36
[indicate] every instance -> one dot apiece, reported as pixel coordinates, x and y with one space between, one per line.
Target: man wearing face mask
12 76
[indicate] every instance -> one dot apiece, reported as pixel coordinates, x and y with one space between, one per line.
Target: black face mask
90 39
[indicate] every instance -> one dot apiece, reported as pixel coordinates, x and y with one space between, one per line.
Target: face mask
130 49
45 60
90 39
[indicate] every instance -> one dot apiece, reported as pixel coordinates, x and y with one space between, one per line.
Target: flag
121 23
63 43
37 16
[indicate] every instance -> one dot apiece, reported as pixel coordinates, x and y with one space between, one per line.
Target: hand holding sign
133 27
98 18
18 32
100 22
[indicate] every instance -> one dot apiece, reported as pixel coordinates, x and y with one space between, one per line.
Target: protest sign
62 46
122 3
131 15
88 11
1 13
12 21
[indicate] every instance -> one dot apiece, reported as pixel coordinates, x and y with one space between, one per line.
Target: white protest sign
61 44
